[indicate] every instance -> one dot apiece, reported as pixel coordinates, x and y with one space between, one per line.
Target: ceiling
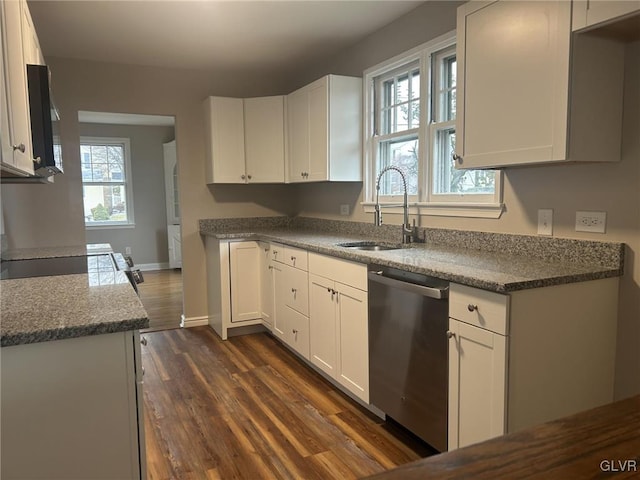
254 37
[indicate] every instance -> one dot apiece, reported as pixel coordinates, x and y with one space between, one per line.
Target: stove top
45 267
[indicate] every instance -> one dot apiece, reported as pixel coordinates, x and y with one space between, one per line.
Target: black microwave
45 122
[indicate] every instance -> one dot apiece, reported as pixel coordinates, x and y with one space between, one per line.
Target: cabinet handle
293 290
143 371
472 307
20 147
249 177
243 176
270 267
450 334
457 158
293 259
143 341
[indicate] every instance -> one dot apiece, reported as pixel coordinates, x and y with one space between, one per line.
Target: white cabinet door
224 124
324 127
477 384
298 126
267 287
353 340
244 263
264 139
175 246
69 409
18 152
588 13
512 82
323 326
171 182
318 101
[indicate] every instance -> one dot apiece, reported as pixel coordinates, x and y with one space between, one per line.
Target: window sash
437 74
124 183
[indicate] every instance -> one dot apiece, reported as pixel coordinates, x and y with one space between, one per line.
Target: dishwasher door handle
431 292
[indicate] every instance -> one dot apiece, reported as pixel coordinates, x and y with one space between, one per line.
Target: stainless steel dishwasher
408 375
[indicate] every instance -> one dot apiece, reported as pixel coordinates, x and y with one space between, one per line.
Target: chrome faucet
406 228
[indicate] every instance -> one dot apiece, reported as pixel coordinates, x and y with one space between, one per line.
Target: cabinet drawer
343 271
297 334
296 257
276 252
488 310
296 290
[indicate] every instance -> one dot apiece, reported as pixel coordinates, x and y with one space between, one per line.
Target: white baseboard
148 267
195 321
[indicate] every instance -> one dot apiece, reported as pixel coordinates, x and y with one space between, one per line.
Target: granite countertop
507 263
54 252
40 309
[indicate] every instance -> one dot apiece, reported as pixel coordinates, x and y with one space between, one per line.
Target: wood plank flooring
161 295
247 408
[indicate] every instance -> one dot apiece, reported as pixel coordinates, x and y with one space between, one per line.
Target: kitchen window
106 182
410 123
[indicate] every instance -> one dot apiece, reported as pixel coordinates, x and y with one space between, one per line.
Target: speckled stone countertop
40 309
490 261
54 252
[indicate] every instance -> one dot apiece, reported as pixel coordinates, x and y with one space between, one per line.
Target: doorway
130 174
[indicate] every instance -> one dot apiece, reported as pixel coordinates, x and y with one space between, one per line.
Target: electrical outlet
595 222
545 221
344 209
127 250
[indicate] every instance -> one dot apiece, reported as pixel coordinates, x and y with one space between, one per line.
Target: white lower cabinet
72 409
338 322
244 263
528 357
477 380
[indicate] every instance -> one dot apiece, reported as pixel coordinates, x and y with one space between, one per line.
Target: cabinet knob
293 259
249 177
20 147
243 176
457 158
472 307
143 341
293 290
450 334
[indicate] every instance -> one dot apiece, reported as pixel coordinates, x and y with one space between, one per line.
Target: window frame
127 183
428 56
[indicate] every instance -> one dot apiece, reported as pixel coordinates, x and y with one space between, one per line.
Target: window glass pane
415 85
414 115
446 179
404 155
104 203
402 90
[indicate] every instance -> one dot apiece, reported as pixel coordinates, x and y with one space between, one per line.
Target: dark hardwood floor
247 408
161 295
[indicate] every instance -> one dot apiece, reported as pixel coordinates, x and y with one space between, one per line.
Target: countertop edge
507 287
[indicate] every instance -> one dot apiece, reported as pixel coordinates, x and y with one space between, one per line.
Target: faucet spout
406 228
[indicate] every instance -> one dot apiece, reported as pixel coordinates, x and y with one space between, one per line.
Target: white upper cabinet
224 123
19 47
324 122
590 13
529 92
245 139
264 139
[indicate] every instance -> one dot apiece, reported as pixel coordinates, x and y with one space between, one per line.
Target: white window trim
421 53
128 184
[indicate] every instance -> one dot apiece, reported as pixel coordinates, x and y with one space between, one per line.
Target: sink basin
371 246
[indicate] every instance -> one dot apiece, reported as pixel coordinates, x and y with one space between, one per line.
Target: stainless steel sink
371 246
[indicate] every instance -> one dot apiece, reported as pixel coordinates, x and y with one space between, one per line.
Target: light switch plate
545 221
595 222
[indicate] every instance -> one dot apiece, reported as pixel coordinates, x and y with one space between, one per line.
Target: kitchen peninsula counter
496 262
596 443
45 308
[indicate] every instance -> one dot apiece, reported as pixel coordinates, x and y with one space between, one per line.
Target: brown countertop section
600 443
